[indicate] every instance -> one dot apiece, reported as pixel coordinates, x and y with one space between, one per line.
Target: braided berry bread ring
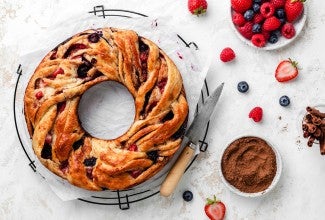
86 59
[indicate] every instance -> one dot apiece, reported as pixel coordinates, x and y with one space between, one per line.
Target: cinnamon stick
315 112
311 128
310 141
322 144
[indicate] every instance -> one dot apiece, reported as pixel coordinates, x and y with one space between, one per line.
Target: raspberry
227 54
278 3
271 24
266 35
258 18
238 19
246 30
267 9
39 95
258 40
256 114
133 147
288 31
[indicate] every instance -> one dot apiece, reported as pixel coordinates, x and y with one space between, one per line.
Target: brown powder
249 164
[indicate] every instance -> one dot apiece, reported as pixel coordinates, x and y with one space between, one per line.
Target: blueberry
282 20
249 15
153 155
257 1
279 13
273 38
93 38
256 7
187 195
90 162
83 70
257 28
284 101
242 86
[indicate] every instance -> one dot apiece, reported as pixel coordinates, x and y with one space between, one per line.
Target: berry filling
135 173
39 83
64 166
161 84
169 116
61 106
56 72
89 172
48 139
133 147
90 162
82 70
181 131
53 55
76 145
46 152
144 54
74 48
151 106
94 37
153 155
39 95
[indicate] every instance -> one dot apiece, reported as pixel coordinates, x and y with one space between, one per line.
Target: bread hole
106 110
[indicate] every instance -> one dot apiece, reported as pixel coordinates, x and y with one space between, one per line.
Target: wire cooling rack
120 198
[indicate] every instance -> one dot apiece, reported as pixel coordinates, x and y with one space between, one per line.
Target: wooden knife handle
176 172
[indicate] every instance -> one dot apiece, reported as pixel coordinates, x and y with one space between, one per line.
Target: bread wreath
86 59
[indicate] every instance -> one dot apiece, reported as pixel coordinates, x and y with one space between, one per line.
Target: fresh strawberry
286 70
258 40
246 30
271 24
288 31
267 9
238 19
197 7
241 6
215 209
256 114
227 54
278 3
293 9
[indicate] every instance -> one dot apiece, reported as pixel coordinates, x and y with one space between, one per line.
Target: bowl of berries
268 24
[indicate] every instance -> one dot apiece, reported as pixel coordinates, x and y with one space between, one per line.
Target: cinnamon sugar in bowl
250 166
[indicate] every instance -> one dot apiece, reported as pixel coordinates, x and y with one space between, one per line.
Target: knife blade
193 135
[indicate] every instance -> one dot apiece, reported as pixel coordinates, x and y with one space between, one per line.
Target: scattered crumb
285 128
279 117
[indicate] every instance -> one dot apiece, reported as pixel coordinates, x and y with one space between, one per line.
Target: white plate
257 194
299 24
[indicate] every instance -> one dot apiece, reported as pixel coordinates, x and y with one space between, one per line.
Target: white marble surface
300 193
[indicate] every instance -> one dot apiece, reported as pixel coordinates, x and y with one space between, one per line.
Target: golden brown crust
88 58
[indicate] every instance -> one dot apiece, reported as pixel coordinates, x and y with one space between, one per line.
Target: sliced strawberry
286 70
215 209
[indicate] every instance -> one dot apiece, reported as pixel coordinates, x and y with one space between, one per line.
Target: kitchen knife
193 135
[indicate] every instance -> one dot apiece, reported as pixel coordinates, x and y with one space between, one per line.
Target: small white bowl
257 194
282 42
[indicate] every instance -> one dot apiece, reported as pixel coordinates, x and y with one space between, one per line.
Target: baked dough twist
88 58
